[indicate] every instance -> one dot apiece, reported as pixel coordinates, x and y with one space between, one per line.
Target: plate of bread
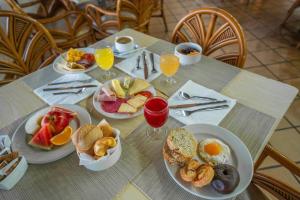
75 61
208 161
123 97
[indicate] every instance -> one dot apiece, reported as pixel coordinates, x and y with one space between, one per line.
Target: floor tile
263 71
275 42
293 113
294 82
289 53
268 57
283 124
284 71
287 142
251 61
257 45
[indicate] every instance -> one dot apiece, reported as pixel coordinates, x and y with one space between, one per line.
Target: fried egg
214 151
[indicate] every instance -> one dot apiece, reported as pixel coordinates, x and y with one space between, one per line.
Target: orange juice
104 58
169 64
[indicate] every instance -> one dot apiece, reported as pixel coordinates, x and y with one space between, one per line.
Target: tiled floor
271 53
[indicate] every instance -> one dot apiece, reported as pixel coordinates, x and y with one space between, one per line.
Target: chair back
25 46
216 31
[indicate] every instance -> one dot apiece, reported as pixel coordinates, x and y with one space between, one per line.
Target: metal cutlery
195 104
71 87
73 81
70 92
153 71
186 113
129 52
137 67
145 66
185 95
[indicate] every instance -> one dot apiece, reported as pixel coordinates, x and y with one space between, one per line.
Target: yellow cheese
118 89
138 86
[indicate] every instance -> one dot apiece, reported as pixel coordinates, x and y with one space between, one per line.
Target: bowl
124 43
188 59
107 161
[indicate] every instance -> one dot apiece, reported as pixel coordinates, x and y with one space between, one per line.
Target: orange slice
63 137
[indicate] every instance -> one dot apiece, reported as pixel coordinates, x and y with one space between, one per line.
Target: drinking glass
156 112
105 60
169 65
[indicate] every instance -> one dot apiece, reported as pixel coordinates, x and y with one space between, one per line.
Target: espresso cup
124 43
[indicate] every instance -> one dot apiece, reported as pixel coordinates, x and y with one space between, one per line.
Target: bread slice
182 142
137 101
87 136
138 86
126 108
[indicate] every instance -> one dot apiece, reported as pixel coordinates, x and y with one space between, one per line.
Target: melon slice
42 137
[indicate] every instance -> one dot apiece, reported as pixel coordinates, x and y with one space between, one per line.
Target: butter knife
195 104
145 66
71 87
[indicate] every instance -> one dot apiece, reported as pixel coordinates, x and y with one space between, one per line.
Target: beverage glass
169 65
105 60
156 112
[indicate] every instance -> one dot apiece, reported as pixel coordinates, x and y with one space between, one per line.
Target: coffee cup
124 43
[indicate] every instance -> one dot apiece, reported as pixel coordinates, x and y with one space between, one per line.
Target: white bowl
123 47
107 161
188 59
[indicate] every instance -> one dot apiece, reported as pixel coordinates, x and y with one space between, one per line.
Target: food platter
240 159
60 61
40 156
98 106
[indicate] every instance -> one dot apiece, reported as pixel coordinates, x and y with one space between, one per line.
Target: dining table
140 173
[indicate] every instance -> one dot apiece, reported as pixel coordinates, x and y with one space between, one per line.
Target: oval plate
60 61
241 159
39 156
98 107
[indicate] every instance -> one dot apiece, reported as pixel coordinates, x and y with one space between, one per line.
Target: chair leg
290 11
163 15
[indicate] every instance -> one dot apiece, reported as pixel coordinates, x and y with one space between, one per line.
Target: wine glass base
156 133
170 81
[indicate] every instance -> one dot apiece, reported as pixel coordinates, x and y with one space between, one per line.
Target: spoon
70 92
187 96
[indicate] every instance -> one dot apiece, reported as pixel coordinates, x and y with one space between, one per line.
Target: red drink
156 112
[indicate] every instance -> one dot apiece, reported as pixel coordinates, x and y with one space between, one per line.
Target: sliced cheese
137 101
126 108
138 86
118 89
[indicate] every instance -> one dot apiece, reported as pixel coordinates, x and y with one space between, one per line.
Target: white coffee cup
124 43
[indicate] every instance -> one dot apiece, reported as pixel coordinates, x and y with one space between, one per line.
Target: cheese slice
126 108
138 86
138 101
118 89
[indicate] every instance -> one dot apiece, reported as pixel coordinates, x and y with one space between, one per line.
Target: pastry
87 136
189 172
205 174
107 130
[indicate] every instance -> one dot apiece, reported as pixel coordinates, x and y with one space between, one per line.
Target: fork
70 92
186 113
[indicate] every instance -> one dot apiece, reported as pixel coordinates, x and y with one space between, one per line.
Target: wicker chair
25 46
219 34
134 14
159 12
275 187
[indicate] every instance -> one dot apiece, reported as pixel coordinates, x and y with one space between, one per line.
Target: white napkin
206 117
51 99
130 63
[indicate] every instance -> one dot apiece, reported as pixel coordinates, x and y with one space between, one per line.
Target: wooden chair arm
62 16
28 4
91 7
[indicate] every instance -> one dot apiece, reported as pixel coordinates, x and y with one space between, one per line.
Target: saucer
124 54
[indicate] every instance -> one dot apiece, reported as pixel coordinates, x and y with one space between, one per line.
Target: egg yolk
212 148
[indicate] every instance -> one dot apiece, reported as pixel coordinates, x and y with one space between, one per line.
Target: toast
182 142
173 157
87 136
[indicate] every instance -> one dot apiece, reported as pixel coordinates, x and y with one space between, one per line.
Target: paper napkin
130 63
51 99
206 117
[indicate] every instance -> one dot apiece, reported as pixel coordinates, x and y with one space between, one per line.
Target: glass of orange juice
105 60
169 65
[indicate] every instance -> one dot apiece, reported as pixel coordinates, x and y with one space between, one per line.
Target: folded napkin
207 117
130 63
51 99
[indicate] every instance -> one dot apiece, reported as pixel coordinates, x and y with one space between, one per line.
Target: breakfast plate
60 62
118 114
40 156
240 159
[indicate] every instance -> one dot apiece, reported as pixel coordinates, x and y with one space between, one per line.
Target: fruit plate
241 159
98 107
60 61
39 156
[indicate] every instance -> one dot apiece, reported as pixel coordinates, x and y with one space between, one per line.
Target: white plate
116 52
98 107
39 156
241 159
60 61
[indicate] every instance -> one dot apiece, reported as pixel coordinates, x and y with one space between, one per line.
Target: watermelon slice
41 138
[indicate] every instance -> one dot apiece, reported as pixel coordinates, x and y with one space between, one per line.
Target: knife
72 87
195 104
145 66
